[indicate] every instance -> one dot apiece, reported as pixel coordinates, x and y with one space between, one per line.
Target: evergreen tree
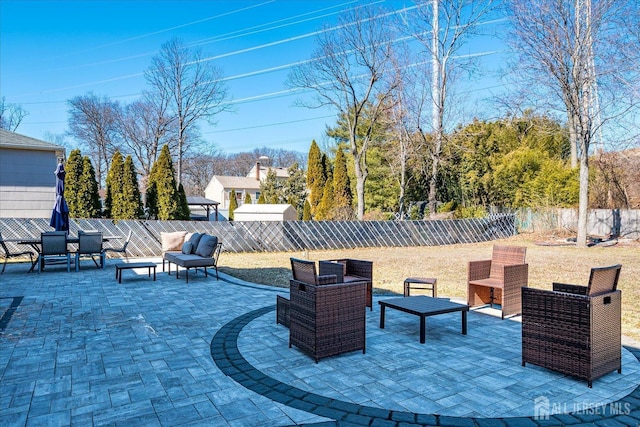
131 198
183 212
72 182
261 200
233 203
163 177
247 198
325 208
316 176
151 204
294 189
342 204
88 196
114 196
306 213
271 188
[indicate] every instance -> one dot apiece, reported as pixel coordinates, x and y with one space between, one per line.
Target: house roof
238 182
201 201
280 171
22 142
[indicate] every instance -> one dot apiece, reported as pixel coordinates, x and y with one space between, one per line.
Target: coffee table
424 306
131 265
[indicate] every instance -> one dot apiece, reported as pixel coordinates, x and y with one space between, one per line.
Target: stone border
226 355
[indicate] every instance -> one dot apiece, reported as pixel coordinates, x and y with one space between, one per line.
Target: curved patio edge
227 356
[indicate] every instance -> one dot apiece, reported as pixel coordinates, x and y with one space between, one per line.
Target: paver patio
81 349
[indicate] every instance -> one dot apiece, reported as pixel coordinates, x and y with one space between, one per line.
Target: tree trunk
583 208
361 176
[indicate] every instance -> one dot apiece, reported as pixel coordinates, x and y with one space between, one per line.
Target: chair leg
4 265
77 262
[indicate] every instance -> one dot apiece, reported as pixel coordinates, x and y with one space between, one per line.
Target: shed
248 212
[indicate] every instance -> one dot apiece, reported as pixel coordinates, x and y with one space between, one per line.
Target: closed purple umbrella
60 214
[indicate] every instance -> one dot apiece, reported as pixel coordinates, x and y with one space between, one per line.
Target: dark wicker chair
305 272
574 329
499 280
326 318
351 270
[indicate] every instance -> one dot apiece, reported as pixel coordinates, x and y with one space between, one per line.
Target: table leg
464 322
382 307
423 321
154 274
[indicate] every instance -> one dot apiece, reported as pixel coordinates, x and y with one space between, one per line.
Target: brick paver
77 348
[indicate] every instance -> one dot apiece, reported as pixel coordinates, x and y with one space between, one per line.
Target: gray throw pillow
195 239
206 246
187 248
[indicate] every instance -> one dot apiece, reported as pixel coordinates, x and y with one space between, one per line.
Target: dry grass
547 264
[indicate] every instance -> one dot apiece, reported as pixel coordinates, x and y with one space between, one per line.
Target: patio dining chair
90 244
54 249
575 330
123 248
8 254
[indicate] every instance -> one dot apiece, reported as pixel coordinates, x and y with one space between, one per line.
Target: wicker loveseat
325 319
573 329
499 280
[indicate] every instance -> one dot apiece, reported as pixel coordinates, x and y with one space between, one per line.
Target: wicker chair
305 272
574 329
325 319
499 280
351 270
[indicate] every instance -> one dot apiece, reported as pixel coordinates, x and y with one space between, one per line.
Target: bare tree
442 28
93 121
145 128
11 115
199 168
190 86
571 52
350 71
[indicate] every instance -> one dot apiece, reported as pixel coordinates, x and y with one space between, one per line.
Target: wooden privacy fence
273 236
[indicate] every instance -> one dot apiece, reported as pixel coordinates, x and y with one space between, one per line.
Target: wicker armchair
351 270
499 280
305 272
326 318
574 329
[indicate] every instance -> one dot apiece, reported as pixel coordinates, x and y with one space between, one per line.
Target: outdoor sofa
190 251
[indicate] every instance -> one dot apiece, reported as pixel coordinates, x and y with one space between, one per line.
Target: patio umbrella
60 214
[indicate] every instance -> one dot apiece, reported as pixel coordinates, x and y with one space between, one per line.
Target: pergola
204 203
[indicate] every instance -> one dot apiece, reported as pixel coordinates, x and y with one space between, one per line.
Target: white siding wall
27 183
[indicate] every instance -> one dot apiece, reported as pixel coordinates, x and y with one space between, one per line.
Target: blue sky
52 51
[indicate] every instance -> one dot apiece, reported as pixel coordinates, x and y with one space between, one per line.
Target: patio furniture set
574 330
53 247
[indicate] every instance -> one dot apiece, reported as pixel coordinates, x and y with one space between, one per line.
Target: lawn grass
547 264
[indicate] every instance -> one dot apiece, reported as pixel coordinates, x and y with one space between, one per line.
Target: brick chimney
257 171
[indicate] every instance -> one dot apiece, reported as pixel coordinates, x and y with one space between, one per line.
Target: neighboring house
27 180
220 186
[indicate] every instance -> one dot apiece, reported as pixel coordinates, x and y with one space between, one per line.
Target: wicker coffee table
424 306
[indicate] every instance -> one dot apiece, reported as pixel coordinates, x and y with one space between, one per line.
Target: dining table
36 243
